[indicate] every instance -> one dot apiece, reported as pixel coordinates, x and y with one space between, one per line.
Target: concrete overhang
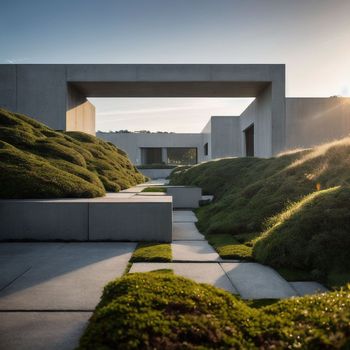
172 80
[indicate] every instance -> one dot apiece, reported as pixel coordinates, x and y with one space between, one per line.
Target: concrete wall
225 137
156 173
132 143
116 219
311 121
259 114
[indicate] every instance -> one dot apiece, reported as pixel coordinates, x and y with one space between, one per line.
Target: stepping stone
184 216
69 278
42 330
200 272
183 231
307 288
256 281
193 251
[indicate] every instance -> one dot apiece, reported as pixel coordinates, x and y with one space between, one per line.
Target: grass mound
312 234
253 197
154 189
39 162
159 310
248 191
152 252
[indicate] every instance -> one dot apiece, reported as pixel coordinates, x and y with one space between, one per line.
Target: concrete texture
65 276
184 216
185 196
151 173
210 273
57 86
116 217
193 251
44 220
308 288
144 221
186 231
41 330
256 281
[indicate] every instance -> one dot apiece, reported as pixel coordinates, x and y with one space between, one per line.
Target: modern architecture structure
56 94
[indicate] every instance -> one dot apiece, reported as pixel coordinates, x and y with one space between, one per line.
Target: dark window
182 156
206 149
249 141
151 155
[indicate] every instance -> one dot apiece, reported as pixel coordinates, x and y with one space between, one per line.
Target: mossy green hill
159 310
39 162
257 195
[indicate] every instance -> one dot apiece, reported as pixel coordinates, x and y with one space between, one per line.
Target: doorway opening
249 141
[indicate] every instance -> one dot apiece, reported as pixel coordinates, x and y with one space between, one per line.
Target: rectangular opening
249 141
206 149
151 155
182 155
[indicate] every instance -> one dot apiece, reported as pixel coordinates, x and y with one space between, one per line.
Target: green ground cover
39 162
154 189
265 204
159 310
152 252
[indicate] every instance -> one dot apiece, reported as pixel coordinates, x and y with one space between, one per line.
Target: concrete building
56 94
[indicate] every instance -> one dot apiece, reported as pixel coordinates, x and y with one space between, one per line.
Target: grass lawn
159 310
154 189
229 248
152 252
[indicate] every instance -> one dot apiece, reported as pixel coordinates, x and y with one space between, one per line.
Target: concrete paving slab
308 288
71 278
17 258
210 273
184 216
256 281
194 251
183 231
41 330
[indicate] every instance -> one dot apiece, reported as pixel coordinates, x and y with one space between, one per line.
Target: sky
312 37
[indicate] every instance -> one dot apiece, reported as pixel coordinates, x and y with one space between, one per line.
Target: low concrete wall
156 173
115 219
185 197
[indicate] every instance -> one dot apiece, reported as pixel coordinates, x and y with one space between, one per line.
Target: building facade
309 122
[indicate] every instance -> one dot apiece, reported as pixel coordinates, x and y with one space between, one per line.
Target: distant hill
39 162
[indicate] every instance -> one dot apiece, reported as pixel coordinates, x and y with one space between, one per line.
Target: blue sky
310 36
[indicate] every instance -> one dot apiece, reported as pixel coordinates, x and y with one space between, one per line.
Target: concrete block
156 173
42 330
43 220
185 196
140 219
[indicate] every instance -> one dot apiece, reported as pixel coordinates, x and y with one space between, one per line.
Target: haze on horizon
310 36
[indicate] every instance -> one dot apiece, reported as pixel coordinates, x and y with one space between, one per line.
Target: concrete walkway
194 258
49 290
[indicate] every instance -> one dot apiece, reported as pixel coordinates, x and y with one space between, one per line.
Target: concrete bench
111 218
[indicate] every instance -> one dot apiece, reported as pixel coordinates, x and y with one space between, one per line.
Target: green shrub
38 162
154 189
152 252
312 234
159 310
